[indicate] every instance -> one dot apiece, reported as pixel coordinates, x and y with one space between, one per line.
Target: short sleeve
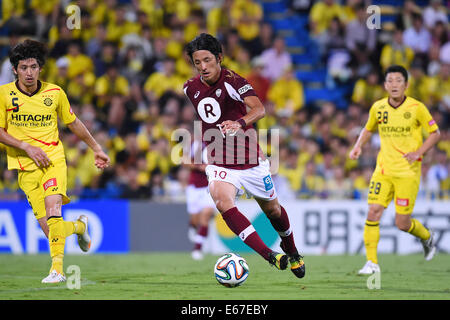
372 123
64 110
426 119
242 86
2 110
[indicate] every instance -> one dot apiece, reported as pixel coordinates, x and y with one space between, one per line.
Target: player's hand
229 127
412 156
355 153
37 154
101 159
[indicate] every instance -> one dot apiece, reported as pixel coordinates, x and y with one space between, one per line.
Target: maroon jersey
197 178
219 102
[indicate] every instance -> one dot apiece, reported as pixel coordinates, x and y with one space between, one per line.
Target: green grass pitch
175 276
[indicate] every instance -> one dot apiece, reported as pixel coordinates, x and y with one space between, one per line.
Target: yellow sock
57 241
79 227
72 227
371 238
418 230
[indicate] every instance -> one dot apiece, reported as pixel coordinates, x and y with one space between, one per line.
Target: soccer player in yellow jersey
28 127
400 121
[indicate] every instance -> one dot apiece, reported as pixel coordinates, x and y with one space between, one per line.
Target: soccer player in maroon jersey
221 99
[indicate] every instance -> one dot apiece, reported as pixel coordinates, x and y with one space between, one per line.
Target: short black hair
204 42
396 68
26 50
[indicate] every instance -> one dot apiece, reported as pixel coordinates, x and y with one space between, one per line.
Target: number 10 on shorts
221 174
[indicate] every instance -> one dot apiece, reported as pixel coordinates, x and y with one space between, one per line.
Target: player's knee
273 212
375 213
224 205
403 225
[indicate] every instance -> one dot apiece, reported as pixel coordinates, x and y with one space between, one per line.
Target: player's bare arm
432 139
364 136
101 158
37 154
256 112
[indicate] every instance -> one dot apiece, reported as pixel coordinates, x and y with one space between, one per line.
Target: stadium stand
123 71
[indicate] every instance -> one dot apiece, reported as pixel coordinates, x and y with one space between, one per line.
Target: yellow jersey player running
400 121
29 128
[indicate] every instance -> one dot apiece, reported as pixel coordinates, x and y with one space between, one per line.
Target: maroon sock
282 226
240 225
202 233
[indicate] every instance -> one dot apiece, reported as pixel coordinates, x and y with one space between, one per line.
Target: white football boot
369 268
429 246
197 255
84 240
54 277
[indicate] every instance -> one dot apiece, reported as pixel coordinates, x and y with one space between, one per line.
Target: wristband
241 122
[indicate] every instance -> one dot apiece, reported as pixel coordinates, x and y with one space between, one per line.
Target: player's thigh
30 183
54 180
257 182
406 190
224 187
381 190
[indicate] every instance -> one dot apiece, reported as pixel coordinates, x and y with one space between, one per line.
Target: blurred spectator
119 24
289 168
361 41
276 59
160 82
321 14
439 34
246 16
266 38
6 72
286 93
107 56
243 66
444 54
434 64
359 38
110 84
95 44
405 17
339 186
78 61
433 13
259 83
313 185
218 21
420 85
417 36
366 92
441 89
332 39
132 188
396 52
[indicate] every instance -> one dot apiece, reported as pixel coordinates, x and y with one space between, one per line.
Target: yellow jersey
32 118
401 132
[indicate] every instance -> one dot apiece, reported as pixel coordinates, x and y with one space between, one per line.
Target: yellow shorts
43 182
382 189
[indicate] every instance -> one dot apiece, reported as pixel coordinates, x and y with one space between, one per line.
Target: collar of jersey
39 85
398 105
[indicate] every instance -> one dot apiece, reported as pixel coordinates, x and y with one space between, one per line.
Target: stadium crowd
123 69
